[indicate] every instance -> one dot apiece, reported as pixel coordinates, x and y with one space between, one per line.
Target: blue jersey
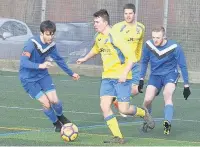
164 59
35 53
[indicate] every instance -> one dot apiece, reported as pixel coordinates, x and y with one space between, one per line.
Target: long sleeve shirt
163 59
35 53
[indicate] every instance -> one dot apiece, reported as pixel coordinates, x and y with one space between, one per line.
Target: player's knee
147 101
123 108
45 102
54 101
53 98
105 105
104 108
46 105
167 95
168 100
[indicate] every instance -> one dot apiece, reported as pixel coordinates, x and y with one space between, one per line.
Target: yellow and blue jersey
133 35
115 54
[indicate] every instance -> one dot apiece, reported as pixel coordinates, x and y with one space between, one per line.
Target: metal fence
180 17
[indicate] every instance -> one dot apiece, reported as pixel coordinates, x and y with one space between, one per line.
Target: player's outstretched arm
87 57
75 76
61 62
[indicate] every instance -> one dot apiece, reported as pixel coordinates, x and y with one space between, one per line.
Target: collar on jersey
40 49
162 53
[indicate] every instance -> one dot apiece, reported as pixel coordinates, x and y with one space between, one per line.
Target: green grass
23 123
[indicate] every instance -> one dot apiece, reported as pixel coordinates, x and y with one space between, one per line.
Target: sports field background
23 122
180 18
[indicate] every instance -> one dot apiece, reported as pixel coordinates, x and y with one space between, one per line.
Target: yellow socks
113 126
140 112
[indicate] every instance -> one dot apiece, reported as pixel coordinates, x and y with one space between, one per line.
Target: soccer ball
69 132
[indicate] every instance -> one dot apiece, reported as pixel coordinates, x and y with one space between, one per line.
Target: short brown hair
159 29
103 13
130 6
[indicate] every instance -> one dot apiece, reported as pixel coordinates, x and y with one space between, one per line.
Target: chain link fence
181 18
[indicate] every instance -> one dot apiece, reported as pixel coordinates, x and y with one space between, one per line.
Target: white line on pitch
20 108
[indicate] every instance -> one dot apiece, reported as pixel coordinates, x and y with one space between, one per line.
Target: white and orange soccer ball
69 132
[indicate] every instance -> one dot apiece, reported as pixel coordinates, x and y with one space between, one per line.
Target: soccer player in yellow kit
133 33
118 60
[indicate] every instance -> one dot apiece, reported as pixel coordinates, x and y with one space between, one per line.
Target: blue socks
168 112
50 114
58 108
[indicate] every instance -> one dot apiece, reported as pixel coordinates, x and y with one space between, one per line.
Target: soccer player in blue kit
34 75
164 57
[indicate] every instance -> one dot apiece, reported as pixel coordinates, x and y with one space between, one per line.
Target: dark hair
130 6
103 14
48 25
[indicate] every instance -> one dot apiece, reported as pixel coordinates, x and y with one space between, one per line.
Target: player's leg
153 88
134 85
107 92
169 108
170 85
150 94
57 106
49 88
49 112
147 104
123 95
35 91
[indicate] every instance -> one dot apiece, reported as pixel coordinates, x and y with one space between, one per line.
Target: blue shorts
161 80
135 74
111 87
38 88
